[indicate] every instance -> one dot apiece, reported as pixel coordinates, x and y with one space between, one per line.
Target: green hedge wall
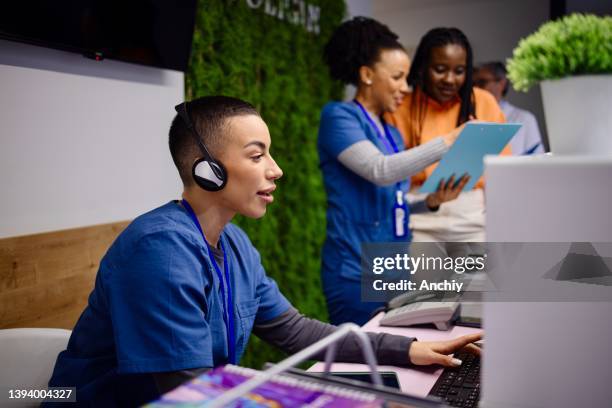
277 66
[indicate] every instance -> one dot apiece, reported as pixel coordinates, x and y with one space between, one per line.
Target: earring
368 82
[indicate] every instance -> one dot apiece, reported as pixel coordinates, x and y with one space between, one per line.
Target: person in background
491 76
365 167
182 288
441 99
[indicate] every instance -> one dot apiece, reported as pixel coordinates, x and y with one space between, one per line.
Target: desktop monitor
540 352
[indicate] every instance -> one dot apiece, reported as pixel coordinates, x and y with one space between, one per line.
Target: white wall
82 142
356 8
493 27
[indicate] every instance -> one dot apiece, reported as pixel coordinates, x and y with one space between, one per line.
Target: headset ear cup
209 175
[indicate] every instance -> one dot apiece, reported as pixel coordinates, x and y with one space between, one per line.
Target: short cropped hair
209 115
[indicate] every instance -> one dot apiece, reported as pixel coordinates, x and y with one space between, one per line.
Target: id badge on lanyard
400 216
400 209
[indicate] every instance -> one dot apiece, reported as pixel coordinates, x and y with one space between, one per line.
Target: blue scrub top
157 307
358 211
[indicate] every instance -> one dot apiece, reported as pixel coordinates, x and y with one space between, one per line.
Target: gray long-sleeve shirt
364 159
292 332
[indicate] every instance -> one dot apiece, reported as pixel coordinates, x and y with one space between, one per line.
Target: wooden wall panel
45 279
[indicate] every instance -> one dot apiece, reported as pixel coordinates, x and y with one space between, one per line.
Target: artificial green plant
277 66
577 44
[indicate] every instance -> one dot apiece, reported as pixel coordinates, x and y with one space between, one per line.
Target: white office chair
28 357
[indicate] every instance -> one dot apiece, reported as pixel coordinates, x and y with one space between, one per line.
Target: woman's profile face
252 172
446 72
388 81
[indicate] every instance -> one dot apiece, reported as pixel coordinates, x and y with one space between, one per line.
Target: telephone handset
411 308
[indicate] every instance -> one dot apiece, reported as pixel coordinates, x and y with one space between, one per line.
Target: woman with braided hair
443 98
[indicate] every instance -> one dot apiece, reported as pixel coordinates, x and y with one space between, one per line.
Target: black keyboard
460 386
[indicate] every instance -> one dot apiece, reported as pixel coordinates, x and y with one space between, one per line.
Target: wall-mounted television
149 32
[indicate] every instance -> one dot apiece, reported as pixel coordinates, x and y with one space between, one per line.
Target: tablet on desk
389 378
466 155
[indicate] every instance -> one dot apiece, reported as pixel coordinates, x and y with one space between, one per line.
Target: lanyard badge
400 209
228 315
400 216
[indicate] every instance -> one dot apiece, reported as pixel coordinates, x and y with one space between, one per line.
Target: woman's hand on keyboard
438 352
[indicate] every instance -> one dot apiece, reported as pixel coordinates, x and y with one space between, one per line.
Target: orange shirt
439 119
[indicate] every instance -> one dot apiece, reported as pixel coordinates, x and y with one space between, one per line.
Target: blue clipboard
466 155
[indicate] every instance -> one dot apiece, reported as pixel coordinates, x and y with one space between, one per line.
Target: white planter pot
578 114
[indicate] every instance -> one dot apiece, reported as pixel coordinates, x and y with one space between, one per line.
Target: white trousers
460 220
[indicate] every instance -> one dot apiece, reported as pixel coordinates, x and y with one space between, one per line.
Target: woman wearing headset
181 289
365 168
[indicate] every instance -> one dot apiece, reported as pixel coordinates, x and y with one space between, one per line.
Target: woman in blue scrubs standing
365 168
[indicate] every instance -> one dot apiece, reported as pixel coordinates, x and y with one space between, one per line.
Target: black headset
207 172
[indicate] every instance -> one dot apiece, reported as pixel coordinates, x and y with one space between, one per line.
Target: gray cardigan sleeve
364 159
293 332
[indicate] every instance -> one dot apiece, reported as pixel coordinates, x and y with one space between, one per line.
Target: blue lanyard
387 139
400 209
532 149
228 315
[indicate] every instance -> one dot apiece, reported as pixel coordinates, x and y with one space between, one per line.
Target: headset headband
181 109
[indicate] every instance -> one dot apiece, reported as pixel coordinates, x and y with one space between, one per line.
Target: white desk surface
414 380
